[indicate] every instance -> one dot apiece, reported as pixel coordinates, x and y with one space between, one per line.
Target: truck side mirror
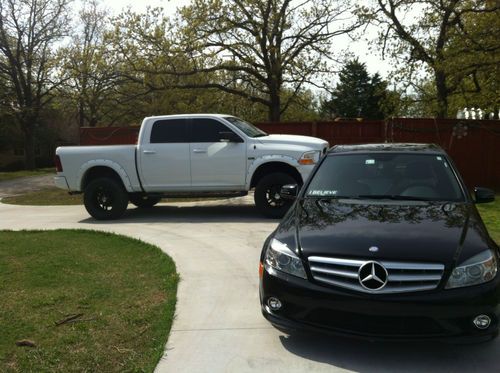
229 136
289 191
484 195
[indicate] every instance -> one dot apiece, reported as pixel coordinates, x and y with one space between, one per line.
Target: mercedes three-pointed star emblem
372 276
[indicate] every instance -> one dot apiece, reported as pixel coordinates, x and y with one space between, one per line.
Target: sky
140 5
373 61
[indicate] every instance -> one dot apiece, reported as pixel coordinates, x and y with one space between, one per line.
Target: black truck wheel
143 201
267 195
105 199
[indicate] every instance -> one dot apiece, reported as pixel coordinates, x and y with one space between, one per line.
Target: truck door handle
199 151
149 152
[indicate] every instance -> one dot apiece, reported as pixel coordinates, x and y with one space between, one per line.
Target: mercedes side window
210 130
169 131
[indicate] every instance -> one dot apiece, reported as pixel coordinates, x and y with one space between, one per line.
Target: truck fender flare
104 163
257 162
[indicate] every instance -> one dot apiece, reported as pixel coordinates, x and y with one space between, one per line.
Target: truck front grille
402 277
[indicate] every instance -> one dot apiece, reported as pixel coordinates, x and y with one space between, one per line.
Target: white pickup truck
193 155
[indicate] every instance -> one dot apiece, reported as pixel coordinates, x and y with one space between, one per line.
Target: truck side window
207 130
169 131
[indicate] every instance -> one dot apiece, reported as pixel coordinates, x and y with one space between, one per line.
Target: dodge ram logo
372 276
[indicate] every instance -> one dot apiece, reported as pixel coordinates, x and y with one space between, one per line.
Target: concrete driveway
218 325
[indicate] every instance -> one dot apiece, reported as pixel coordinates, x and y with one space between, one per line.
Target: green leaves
451 44
359 95
255 50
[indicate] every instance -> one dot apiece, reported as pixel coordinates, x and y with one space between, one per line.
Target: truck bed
77 159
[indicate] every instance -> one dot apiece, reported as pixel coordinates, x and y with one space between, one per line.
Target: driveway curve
218 325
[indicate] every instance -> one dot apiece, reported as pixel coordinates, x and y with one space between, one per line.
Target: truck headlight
310 157
281 258
477 270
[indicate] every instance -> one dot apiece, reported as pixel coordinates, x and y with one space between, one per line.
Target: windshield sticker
322 193
370 161
439 158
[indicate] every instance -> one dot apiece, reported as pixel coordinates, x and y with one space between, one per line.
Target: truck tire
267 198
143 201
105 199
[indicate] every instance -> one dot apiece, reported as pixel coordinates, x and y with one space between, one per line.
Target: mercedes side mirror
289 191
484 195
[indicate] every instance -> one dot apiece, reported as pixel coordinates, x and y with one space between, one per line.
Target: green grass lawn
18 174
45 197
125 290
490 212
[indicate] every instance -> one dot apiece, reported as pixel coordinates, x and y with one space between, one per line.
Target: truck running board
200 194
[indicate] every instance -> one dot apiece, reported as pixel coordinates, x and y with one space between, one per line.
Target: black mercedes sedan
383 241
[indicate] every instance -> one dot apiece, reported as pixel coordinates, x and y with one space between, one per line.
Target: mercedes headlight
477 270
281 258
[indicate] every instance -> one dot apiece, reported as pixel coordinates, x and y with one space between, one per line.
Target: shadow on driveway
189 214
378 356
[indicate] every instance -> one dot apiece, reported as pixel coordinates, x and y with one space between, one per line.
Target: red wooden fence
109 135
473 145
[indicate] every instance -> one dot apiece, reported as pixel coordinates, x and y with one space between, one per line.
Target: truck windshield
398 176
249 129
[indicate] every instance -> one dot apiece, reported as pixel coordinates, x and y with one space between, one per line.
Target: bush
13 166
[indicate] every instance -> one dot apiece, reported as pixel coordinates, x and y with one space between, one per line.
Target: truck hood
307 141
403 231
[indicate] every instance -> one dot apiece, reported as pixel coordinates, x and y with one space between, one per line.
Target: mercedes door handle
199 151
149 152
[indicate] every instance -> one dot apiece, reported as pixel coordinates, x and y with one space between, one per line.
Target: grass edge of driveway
125 287
13 175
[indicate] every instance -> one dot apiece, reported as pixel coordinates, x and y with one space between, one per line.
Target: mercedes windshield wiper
395 197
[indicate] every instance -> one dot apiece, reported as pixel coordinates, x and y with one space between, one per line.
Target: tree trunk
29 147
81 114
275 105
441 95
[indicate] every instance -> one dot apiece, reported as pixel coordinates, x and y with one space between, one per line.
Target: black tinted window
207 130
169 131
389 175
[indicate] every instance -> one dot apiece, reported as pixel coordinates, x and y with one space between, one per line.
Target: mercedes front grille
401 277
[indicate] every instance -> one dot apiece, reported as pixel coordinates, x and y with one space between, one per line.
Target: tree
249 48
475 60
96 87
89 68
357 94
424 44
28 31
